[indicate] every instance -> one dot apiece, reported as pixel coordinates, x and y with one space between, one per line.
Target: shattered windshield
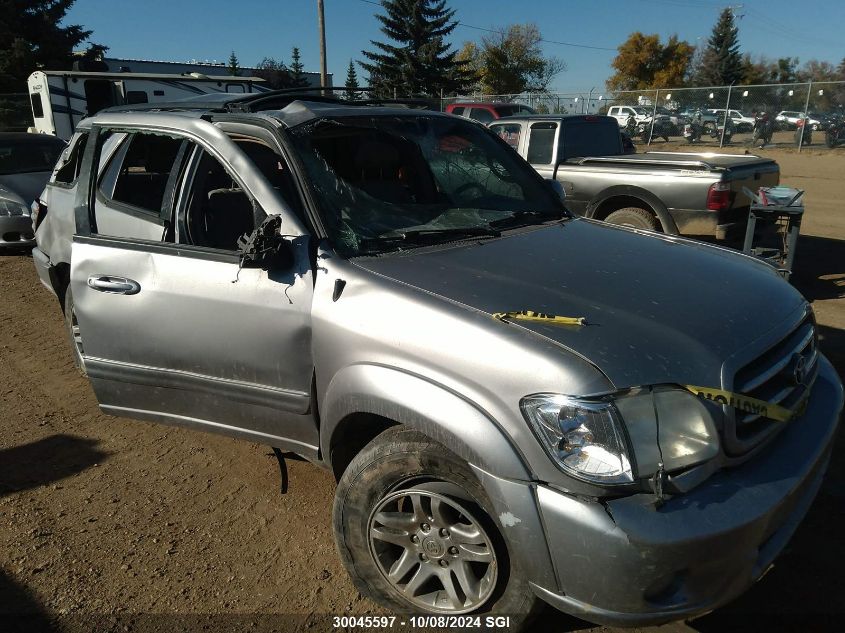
393 182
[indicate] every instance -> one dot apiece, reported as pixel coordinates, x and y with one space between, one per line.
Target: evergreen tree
297 70
721 63
351 82
420 62
234 67
32 37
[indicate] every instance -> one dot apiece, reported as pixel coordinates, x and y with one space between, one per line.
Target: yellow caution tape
738 401
749 405
539 317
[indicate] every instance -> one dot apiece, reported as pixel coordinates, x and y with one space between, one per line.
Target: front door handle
114 285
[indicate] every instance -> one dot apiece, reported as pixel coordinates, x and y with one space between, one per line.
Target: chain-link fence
15 112
810 114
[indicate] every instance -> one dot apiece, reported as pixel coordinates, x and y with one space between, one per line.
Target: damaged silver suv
519 405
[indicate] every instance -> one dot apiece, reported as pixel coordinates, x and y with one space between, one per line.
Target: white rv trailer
61 99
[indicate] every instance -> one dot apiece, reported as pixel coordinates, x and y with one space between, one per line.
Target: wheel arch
621 196
361 401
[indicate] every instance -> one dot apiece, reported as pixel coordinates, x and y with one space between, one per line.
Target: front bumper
626 562
16 230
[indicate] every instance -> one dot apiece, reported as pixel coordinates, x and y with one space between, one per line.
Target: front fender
418 403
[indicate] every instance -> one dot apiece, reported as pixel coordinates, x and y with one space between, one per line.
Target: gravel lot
111 524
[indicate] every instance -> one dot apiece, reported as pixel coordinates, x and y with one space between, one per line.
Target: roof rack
271 100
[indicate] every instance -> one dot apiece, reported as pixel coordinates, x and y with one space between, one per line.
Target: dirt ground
110 524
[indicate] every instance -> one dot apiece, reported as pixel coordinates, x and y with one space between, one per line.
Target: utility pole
323 72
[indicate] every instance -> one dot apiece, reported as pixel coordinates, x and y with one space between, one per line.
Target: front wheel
830 139
416 533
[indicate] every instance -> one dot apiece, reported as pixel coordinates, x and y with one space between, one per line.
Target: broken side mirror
266 247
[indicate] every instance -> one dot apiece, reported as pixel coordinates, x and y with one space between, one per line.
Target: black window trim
164 214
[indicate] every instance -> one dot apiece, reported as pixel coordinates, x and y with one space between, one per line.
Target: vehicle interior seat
378 167
228 215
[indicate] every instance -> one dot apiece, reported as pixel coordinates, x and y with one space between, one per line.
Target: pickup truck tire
636 217
415 532
73 334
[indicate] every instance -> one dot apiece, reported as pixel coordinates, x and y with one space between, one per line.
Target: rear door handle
114 285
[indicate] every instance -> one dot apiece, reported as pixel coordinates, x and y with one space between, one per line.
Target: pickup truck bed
695 194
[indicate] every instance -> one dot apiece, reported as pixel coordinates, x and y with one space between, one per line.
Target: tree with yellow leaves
644 62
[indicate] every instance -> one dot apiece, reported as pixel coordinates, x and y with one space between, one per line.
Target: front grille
772 377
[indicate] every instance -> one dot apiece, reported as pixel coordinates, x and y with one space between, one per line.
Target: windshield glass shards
392 182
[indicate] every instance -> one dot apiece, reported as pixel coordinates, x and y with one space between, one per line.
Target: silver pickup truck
695 194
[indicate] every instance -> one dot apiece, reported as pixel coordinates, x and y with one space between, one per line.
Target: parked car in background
486 112
825 119
676 119
26 161
673 192
788 120
742 123
704 117
623 113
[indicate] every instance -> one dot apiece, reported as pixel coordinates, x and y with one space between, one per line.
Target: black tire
72 329
830 139
636 217
401 459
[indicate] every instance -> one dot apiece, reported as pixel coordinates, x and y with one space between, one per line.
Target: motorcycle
661 129
762 130
805 131
835 133
693 128
716 130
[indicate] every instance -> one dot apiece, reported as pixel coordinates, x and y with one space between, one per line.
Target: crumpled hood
658 310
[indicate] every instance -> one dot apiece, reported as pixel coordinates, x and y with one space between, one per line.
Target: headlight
584 438
11 208
622 438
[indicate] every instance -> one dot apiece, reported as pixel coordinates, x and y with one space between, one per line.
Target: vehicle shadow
819 268
16 251
45 461
20 611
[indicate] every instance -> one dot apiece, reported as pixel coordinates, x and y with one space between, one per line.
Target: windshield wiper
520 217
418 236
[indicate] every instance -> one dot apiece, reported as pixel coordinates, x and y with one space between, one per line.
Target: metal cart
774 222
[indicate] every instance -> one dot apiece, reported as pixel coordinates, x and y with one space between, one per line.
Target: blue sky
181 30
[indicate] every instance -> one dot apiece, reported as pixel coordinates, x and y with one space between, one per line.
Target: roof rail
270 100
278 99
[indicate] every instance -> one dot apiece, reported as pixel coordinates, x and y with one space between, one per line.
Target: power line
480 28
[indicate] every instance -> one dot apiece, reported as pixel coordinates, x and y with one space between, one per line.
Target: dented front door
181 334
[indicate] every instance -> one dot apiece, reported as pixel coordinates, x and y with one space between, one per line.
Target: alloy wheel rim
433 551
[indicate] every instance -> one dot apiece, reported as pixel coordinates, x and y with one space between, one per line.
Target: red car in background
487 112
